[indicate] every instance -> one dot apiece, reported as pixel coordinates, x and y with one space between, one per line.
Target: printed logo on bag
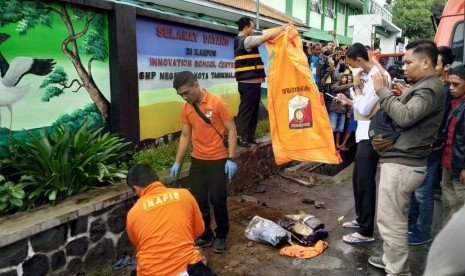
208 113
300 112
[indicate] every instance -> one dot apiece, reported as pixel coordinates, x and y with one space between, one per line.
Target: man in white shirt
365 104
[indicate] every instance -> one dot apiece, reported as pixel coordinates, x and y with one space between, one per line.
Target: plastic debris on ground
266 231
122 262
305 228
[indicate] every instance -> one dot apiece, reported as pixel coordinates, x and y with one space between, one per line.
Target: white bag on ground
265 231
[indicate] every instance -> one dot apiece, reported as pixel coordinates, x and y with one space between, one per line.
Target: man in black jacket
453 158
250 73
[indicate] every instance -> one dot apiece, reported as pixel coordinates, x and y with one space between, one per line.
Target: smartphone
401 81
329 95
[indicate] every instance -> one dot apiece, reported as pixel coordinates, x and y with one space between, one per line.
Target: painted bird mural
11 74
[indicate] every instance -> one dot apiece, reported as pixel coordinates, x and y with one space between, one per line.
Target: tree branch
72 38
65 16
71 84
51 9
84 31
80 86
64 44
89 67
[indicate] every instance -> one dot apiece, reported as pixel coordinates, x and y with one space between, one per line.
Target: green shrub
65 162
159 157
11 195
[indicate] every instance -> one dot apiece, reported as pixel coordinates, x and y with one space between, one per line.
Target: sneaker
415 240
219 246
253 141
242 144
376 262
203 242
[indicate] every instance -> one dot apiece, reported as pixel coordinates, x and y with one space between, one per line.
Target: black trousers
208 183
364 184
247 116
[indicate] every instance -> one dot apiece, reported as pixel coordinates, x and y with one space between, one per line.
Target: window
329 10
330 4
329 13
316 6
342 8
353 11
457 44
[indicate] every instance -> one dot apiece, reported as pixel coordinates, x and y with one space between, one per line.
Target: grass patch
325 181
263 128
104 271
159 157
347 177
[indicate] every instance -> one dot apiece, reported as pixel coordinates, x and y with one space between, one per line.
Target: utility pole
257 25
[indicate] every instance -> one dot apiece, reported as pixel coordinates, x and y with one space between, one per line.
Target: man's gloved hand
174 171
230 168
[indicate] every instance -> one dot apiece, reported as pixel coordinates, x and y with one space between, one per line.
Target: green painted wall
279 5
315 20
323 17
299 9
365 7
30 112
45 43
329 24
346 24
341 21
289 4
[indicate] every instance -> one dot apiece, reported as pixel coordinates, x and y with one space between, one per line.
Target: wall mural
164 48
54 67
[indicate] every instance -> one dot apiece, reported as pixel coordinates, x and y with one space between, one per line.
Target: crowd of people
425 102
333 75
424 98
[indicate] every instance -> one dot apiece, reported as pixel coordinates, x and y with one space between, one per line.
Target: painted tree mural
90 41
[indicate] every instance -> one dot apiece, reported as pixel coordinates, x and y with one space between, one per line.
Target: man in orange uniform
162 226
205 118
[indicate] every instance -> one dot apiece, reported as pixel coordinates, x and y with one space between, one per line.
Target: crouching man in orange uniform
162 226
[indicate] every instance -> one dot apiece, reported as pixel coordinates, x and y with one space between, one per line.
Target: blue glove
174 171
230 169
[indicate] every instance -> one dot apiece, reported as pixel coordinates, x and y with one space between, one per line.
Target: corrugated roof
251 6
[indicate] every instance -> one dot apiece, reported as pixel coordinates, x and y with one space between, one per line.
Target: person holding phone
338 110
422 204
365 105
419 113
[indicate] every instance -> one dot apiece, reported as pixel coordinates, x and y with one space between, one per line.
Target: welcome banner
165 48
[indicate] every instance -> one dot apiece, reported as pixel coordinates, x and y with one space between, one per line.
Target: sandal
351 224
352 239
